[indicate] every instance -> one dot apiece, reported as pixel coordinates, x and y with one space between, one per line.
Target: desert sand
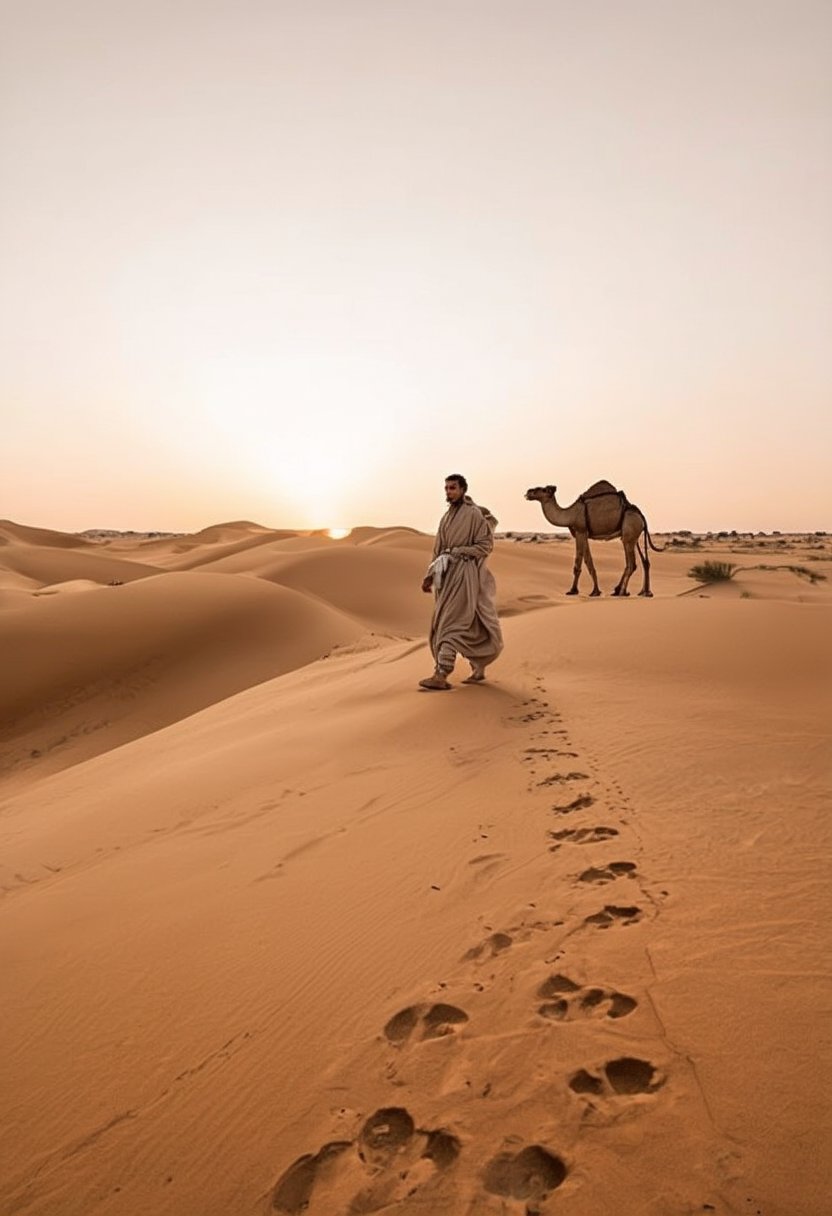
281 933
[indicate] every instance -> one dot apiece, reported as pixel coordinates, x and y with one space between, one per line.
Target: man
464 614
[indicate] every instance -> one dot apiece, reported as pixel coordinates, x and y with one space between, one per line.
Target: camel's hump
600 487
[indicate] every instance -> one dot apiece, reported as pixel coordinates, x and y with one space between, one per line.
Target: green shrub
712 572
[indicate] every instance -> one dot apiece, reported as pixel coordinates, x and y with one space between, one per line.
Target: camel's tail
648 539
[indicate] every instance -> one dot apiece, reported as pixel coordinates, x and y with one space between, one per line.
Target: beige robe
465 612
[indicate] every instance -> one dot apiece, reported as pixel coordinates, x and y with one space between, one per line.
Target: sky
294 261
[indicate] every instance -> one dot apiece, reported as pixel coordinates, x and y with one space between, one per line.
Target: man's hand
427 583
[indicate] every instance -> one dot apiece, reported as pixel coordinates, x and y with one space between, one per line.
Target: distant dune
21 534
283 934
43 564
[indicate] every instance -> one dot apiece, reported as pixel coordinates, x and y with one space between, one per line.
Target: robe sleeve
482 541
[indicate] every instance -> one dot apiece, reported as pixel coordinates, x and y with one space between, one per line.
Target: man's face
453 492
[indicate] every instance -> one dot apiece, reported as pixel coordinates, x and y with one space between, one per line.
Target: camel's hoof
574 591
624 594
648 595
593 594
617 591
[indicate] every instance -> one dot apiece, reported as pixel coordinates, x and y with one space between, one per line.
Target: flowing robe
464 612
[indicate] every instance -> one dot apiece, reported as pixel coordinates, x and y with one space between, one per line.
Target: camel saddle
597 508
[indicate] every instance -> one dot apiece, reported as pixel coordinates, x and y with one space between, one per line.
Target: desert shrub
712 572
814 576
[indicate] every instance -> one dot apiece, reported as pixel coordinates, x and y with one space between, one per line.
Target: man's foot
435 683
477 675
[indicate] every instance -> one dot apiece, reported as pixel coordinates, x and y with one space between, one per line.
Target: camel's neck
555 513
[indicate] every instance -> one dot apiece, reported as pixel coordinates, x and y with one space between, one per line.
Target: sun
338 533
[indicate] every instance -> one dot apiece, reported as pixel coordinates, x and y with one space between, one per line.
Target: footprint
611 913
626 1075
580 836
493 945
384 1134
608 873
559 778
557 1009
483 858
632 1076
577 804
402 1158
532 754
390 1160
293 1189
442 1149
518 934
583 1082
557 984
435 1022
565 1000
529 1175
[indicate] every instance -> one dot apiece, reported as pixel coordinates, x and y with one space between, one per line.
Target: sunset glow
328 258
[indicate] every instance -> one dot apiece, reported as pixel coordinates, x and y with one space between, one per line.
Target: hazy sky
295 260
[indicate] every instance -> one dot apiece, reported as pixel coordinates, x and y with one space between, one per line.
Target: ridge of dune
46 566
13 581
220 531
398 535
184 555
86 672
70 587
250 559
231 530
377 586
12 533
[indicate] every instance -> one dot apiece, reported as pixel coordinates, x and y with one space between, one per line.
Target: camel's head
539 493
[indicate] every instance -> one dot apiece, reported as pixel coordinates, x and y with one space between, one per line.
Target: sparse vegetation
713 572
814 576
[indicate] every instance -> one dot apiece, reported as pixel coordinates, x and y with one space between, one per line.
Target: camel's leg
590 565
645 564
580 546
620 587
630 564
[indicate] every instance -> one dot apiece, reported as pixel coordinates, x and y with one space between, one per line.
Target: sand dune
203 548
45 566
21 534
73 587
12 581
85 673
400 537
286 935
379 587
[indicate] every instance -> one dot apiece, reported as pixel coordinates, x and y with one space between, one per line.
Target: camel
600 513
